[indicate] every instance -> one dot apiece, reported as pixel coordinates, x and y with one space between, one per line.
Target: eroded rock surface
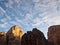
54 35
34 37
14 36
2 38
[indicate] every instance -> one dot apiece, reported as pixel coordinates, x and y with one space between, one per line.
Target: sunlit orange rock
14 36
54 35
34 37
2 38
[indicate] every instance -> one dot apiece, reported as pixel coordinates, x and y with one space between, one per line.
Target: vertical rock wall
54 35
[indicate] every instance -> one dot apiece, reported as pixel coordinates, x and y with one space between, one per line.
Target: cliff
54 35
15 36
2 38
34 37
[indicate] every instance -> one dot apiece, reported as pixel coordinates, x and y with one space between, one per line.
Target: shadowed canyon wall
34 37
15 36
54 35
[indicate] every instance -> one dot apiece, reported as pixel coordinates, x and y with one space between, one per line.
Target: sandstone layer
14 36
54 35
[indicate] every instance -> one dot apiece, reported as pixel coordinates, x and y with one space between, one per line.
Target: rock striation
54 35
2 38
14 36
34 37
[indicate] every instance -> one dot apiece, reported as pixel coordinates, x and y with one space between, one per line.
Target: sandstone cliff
14 36
2 38
34 37
54 35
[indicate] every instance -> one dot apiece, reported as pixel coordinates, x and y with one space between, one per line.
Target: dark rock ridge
34 37
15 36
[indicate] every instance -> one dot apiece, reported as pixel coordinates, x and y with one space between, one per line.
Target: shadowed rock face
2 38
14 36
54 35
34 37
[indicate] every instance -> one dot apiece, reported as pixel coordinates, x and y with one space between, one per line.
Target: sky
29 14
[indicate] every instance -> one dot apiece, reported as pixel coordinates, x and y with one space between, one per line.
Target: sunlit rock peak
15 31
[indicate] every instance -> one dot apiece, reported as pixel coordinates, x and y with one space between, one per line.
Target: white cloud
54 21
28 16
50 13
1 0
4 25
4 20
47 5
2 10
10 3
51 18
17 1
36 1
46 1
52 4
8 17
36 22
14 22
18 20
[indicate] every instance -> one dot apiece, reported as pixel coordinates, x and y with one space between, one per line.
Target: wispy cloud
3 20
8 17
34 13
37 22
10 3
36 1
1 0
28 16
2 10
17 1
3 25
19 20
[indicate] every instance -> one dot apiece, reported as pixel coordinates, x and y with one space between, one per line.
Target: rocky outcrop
54 35
2 38
14 36
34 37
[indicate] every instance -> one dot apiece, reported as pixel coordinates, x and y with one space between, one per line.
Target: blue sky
29 14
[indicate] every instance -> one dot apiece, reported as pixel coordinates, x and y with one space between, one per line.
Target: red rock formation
54 35
2 38
34 37
14 36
